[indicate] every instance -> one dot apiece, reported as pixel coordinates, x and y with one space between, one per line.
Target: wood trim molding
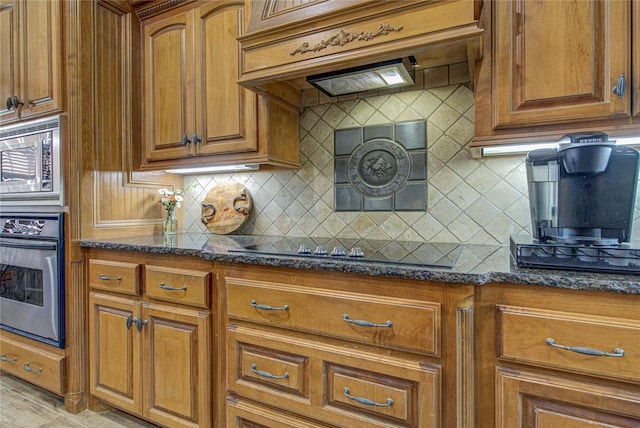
148 11
344 37
464 364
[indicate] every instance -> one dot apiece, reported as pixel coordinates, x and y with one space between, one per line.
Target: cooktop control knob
321 250
304 249
356 252
338 252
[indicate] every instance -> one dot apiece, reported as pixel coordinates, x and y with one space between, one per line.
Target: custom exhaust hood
383 75
292 46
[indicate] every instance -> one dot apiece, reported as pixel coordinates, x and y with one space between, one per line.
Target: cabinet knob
196 140
16 102
185 140
9 103
620 87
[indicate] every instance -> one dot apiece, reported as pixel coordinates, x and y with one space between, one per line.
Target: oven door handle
28 246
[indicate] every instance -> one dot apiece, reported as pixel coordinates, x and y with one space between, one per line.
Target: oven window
19 165
21 284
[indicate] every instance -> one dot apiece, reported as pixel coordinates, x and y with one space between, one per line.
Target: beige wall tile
469 200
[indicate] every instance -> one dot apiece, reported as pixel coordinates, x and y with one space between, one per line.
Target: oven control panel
28 226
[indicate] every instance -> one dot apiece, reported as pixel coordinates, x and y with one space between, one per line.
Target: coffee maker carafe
584 191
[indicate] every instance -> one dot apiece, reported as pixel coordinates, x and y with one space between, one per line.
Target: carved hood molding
287 40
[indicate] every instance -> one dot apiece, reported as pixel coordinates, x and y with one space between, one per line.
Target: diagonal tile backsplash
480 201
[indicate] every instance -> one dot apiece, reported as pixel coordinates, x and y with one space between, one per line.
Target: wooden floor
23 405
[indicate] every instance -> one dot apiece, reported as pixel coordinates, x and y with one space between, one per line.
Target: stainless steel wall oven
32 276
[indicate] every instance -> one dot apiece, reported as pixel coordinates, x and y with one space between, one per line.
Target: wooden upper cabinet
226 112
30 70
169 86
195 112
550 69
557 61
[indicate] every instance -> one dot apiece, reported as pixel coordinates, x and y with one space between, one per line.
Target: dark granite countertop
476 264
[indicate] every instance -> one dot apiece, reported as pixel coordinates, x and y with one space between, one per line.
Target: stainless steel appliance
420 254
32 276
582 200
30 167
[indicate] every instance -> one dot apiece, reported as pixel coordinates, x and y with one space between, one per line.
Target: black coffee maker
584 191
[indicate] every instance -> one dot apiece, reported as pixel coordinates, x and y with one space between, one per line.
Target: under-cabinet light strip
214 169
518 149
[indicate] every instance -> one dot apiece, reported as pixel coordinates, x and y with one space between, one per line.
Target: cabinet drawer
189 287
274 369
543 337
372 393
320 370
109 275
36 365
245 414
386 321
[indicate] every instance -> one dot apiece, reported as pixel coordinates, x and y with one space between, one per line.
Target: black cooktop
422 254
529 253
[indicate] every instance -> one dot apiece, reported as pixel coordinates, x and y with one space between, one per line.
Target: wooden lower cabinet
309 348
34 362
325 380
153 359
527 399
246 414
556 358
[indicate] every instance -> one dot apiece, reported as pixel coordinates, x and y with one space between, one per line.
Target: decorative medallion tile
466 199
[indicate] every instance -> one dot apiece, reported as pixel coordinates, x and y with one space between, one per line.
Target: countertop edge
479 275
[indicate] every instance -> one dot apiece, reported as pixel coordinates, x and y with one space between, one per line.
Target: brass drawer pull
363 323
28 368
254 368
172 288
268 308
3 357
587 351
366 401
109 278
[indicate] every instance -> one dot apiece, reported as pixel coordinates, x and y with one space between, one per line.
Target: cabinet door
169 87
9 66
557 61
177 366
530 400
41 54
226 113
30 51
114 351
